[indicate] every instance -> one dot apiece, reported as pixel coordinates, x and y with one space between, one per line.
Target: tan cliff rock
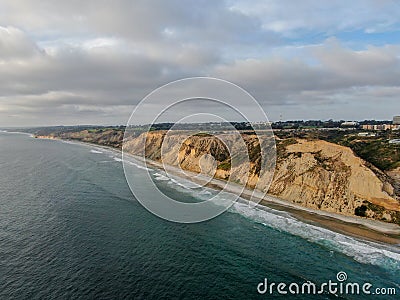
104 137
310 173
330 177
395 177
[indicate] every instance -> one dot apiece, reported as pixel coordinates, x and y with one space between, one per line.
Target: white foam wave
205 192
117 159
139 166
361 251
18 132
164 177
161 177
95 151
185 186
174 181
185 183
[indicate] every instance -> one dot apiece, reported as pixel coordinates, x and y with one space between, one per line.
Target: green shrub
226 166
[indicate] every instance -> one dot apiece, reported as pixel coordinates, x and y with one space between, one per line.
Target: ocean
70 228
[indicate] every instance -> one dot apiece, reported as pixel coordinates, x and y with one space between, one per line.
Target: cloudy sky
91 62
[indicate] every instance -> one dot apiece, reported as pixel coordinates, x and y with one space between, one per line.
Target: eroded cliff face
311 173
326 176
109 137
395 178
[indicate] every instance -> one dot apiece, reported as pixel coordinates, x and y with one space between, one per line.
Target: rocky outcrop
310 173
108 137
395 179
326 176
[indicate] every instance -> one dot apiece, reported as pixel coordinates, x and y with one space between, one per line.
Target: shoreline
366 229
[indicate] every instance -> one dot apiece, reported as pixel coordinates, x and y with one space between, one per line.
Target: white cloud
71 58
15 44
334 77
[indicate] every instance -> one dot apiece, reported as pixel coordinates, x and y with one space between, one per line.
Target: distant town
366 125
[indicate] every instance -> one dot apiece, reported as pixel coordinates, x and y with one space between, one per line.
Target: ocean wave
361 251
95 151
18 132
161 177
205 192
139 166
68 142
174 181
185 183
186 186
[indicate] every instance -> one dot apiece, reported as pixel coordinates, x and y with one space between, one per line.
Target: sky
91 62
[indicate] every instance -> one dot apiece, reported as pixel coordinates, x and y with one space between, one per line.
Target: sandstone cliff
311 173
107 137
330 177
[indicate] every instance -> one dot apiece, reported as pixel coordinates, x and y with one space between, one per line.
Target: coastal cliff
326 176
309 172
106 137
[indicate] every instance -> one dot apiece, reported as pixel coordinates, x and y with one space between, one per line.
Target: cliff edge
311 173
